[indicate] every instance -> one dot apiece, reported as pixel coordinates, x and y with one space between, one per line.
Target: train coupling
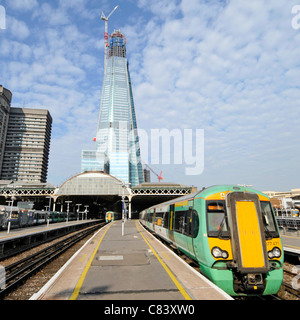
254 282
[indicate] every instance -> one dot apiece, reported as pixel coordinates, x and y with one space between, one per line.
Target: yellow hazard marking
178 285
290 246
87 267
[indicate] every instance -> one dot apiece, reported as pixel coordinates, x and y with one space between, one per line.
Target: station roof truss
161 191
26 192
96 183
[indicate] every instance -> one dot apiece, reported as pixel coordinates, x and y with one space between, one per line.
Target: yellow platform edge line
178 285
290 246
86 269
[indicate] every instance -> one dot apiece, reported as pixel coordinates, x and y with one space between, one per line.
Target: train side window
159 218
188 223
195 222
183 222
178 221
166 220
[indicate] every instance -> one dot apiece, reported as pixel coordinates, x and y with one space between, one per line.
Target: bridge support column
129 206
54 202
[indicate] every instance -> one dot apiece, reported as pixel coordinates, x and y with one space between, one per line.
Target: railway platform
135 266
20 232
291 244
25 238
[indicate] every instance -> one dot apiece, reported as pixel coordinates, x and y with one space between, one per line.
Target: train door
151 219
171 232
247 232
189 229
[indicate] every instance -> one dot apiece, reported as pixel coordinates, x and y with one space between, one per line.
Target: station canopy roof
92 184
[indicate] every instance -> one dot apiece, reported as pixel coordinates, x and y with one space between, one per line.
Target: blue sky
228 67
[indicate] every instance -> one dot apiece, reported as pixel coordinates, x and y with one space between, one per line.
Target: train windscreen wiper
220 229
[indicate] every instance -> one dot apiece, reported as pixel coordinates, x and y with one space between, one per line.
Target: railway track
16 273
291 283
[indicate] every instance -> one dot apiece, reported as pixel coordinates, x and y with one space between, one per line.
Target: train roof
209 191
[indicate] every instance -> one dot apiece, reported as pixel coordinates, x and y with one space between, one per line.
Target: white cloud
22 4
17 28
224 68
229 67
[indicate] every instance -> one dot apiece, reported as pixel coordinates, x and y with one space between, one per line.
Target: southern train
24 218
111 216
230 231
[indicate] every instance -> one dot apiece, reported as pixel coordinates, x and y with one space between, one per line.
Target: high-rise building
5 101
27 145
117 143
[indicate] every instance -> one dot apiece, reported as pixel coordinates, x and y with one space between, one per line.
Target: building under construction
117 144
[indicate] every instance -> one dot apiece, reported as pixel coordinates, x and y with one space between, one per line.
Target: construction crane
159 176
106 43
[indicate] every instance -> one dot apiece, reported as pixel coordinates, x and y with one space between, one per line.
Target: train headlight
274 253
219 253
216 252
225 254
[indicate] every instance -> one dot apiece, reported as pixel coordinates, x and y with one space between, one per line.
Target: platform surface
135 266
291 243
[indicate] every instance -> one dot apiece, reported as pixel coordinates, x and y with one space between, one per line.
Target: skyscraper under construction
117 143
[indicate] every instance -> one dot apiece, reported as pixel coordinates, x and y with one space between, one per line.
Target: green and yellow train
230 231
111 216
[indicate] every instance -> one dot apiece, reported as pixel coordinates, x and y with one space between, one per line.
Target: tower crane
159 176
103 17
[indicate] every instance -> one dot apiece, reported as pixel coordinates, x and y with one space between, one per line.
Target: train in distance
20 218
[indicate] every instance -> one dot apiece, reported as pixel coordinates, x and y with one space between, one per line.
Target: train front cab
246 254
109 216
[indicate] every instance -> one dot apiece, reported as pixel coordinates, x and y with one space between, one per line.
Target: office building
27 145
147 175
5 101
117 143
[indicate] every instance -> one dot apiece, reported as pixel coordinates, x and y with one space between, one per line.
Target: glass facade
117 144
90 161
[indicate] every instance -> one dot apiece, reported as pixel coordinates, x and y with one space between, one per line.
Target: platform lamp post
86 211
11 207
48 217
123 214
11 203
68 209
129 196
124 206
48 211
78 204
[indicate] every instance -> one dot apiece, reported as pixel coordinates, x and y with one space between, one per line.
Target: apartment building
5 101
27 145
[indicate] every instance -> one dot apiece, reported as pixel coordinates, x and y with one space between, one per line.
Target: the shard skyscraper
117 143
